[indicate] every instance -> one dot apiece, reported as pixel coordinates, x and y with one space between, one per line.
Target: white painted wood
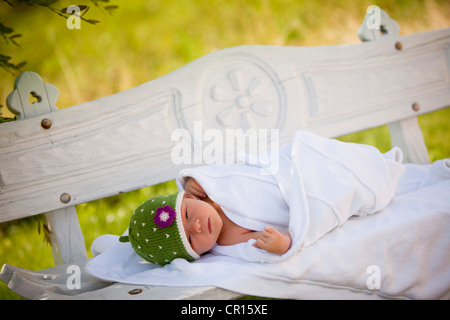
31 83
123 142
66 237
120 291
35 284
65 233
51 284
378 24
405 133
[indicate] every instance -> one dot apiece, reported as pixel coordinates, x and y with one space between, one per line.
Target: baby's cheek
207 245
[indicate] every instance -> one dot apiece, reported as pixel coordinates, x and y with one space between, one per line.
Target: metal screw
46 123
65 198
416 106
135 291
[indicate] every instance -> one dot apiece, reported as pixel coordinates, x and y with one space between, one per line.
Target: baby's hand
273 241
194 188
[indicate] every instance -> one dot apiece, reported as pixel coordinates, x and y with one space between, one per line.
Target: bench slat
51 284
66 236
407 135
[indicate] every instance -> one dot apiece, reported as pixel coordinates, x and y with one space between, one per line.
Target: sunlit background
143 40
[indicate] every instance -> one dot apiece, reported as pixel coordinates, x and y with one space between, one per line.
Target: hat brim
180 226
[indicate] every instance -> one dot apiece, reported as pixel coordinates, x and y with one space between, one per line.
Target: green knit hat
156 231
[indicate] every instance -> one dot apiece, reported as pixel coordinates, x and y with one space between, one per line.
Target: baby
242 211
187 224
206 224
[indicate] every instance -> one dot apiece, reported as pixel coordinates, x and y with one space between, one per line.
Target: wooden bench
52 160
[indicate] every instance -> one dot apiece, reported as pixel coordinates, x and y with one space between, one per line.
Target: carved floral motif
243 95
244 100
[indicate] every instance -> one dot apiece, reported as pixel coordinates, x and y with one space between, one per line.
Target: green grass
147 39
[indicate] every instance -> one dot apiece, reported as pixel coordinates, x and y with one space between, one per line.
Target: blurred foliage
11 38
7 32
5 119
145 40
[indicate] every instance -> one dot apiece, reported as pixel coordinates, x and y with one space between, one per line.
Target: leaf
111 8
13 37
6 119
21 65
92 21
81 7
46 234
4 58
42 223
87 9
43 3
38 218
49 2
4 29
8 66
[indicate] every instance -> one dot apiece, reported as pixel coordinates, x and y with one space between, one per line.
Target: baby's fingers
260 244
270 230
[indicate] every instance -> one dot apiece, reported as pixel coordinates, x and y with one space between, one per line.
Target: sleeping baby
235 209
188 223
226 232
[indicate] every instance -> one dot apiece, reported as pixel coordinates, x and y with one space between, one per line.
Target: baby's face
201 223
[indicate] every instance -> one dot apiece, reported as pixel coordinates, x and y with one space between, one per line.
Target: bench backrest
126 141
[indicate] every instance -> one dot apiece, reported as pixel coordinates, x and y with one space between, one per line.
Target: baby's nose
197 226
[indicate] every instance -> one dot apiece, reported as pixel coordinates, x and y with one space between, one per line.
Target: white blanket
322 181
401 252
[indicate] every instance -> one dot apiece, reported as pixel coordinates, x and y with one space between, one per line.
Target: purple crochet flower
164 216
